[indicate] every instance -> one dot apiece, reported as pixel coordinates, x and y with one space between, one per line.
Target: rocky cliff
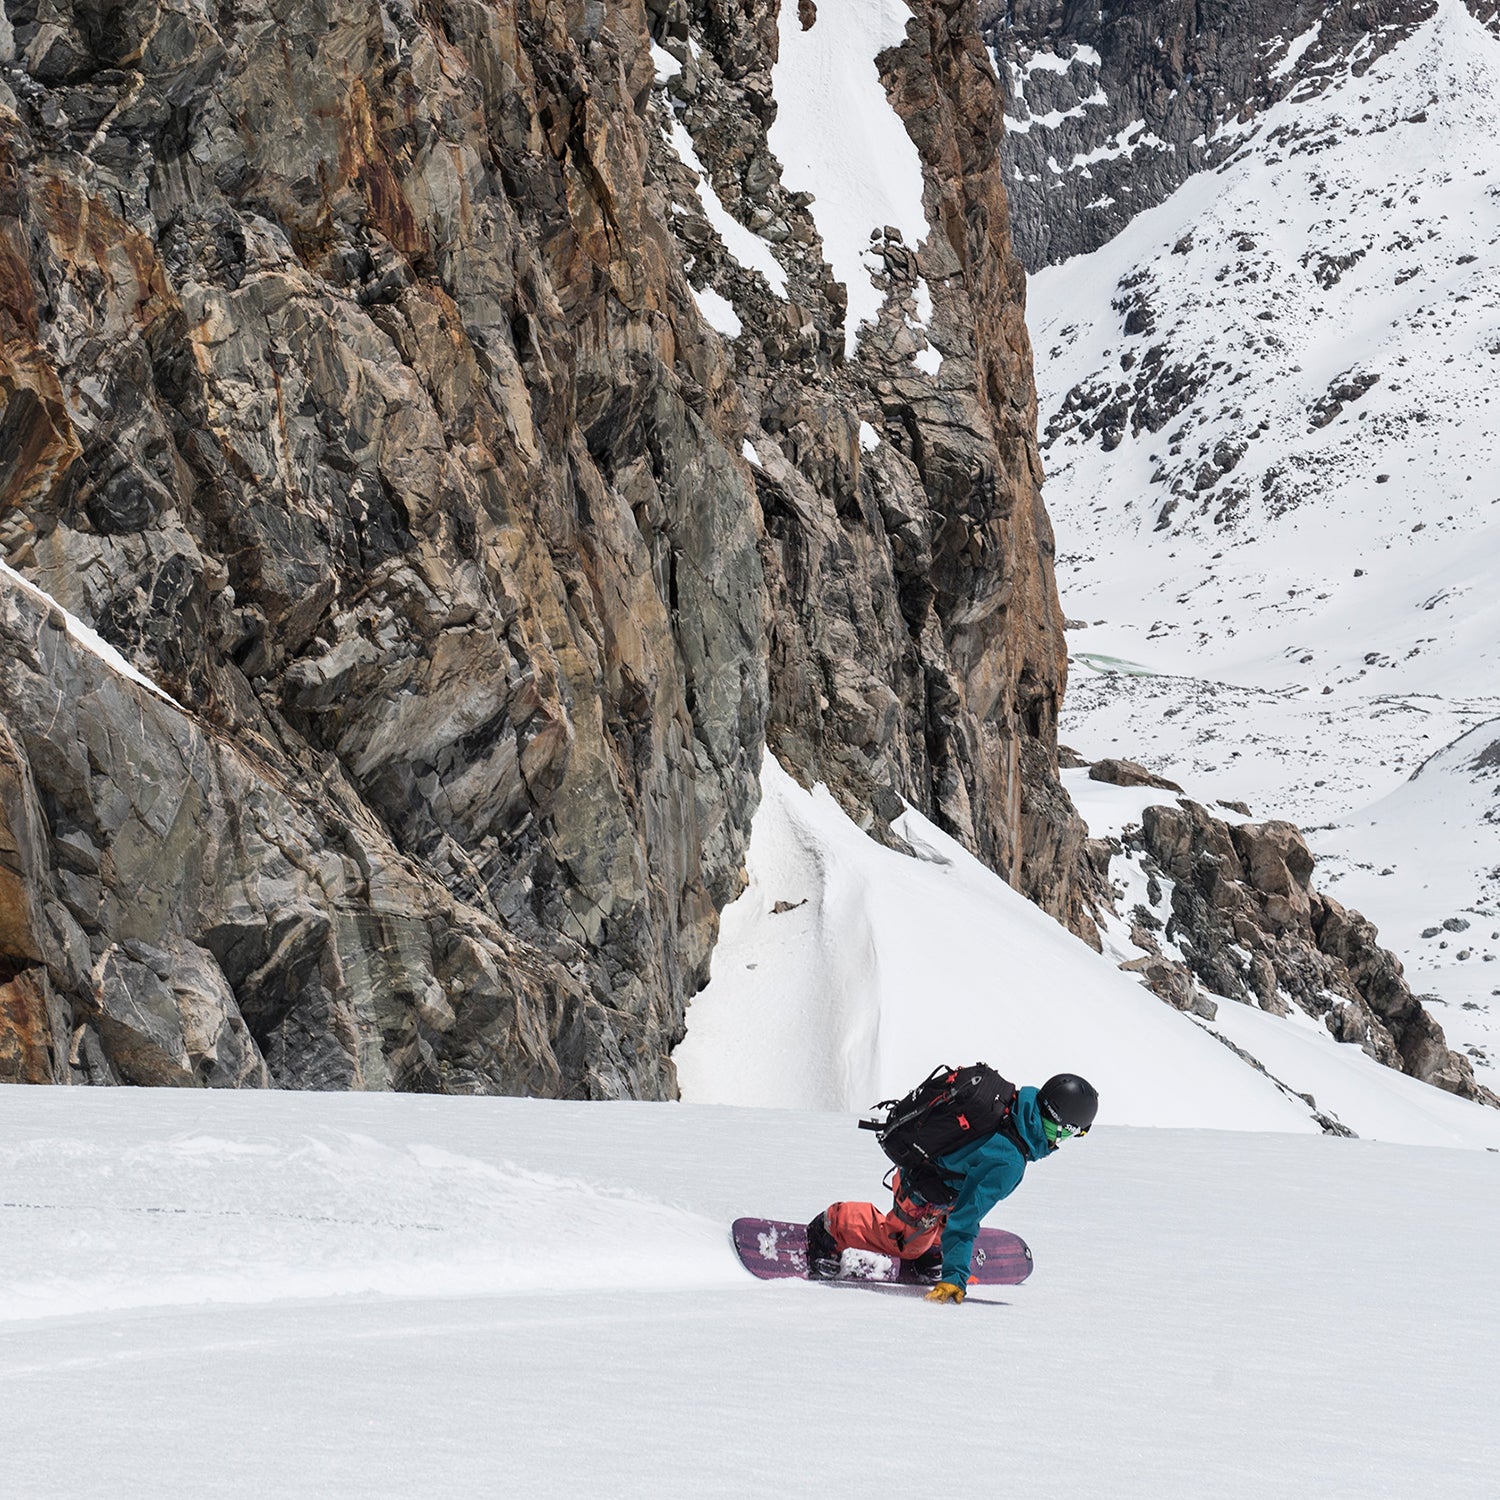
357 389
1112 108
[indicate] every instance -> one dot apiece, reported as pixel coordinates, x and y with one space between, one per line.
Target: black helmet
1067 1099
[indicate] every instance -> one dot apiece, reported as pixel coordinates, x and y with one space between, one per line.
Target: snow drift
848 970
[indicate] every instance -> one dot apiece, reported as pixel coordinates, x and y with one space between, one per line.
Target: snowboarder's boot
824 1258
927 1268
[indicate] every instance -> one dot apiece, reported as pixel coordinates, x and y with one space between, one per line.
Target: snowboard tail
776 1249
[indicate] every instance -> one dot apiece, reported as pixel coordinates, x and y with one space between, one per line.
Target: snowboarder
934 1241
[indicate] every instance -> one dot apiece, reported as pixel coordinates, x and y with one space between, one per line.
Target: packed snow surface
381 1296
1277 498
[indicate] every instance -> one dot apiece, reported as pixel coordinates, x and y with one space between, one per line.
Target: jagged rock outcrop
178 909
1236 901
354 387
1112 108
916 642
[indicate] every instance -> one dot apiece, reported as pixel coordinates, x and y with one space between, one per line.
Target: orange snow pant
908 1230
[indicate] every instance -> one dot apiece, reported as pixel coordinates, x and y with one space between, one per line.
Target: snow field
1241 292
331 1212
1315 618
1445 924
1234 1314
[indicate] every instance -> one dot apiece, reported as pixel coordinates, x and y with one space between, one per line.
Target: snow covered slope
1271 410
381 1296
847 971
1444 824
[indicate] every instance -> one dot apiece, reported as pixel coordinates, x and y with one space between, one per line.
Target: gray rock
359 397
1169 76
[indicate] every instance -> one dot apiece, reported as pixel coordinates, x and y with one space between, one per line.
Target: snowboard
773 1249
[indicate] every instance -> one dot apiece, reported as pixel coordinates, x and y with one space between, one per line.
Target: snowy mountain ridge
1111 109
1269 421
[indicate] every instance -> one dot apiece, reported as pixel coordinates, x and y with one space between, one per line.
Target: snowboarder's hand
945 1291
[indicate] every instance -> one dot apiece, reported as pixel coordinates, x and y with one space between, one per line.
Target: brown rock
1279 865
1170 982
29 1029
1253 929
1128 773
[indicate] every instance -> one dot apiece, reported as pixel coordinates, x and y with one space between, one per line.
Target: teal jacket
991 1169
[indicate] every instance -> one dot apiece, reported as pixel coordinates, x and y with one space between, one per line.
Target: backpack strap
911 1208
1011 1131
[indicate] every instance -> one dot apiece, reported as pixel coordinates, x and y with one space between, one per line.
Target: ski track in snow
1314 616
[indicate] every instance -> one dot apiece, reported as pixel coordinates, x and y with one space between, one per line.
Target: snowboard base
776 1249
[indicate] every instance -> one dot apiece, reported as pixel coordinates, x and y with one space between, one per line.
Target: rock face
1112 108
181 910
1236 901
353 386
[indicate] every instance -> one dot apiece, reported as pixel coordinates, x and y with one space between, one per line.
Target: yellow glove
945 1291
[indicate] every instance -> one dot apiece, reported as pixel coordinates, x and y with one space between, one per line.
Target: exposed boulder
1277 864
1129 773
1173 984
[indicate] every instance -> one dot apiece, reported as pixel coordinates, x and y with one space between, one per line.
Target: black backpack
954 1107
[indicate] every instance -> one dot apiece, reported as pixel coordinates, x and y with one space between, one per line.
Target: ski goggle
1056 1132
